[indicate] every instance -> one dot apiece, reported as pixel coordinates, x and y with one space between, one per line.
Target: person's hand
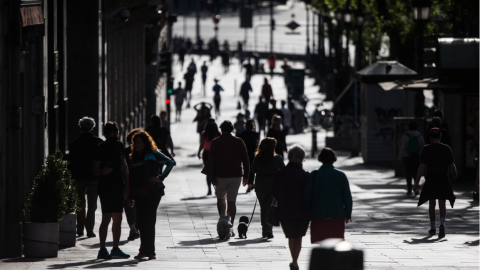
455 176
153 180
245 181
131 203
214 181
198 155
107 170
173 154
415 188
347 220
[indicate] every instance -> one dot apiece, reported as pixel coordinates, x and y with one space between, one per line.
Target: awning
32 15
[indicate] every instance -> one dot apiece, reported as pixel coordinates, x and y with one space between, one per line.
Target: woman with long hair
146 188
208 135
276 131
265 165
203 114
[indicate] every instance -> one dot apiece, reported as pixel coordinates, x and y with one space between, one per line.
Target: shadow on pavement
425 240
95 264
195 198
206 241
248 242
23 259
94 246
472 243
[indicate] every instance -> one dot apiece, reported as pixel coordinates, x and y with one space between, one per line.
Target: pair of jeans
88 221
146 220
205 160
265 200
411 164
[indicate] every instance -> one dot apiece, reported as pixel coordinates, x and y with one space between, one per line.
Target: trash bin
336 254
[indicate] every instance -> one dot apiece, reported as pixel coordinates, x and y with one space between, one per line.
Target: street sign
246 17
292 25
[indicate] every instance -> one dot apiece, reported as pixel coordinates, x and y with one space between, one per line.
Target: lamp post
421 13
347 19
359 20
216 20
307 32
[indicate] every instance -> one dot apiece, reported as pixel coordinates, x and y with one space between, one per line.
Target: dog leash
250 221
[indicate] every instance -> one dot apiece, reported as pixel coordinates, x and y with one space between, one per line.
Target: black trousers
146 220
265 200
130 212
205 159
411 168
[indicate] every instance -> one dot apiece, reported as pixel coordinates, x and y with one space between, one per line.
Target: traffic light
165 62
169 93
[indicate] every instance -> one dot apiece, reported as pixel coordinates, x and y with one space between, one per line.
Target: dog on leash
243 227
224 227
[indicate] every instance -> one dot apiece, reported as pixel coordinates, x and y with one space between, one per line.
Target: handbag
272 215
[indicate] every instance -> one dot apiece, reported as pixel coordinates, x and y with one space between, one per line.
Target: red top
267 90
207 143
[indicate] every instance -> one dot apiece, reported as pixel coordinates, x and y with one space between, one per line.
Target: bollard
314 142
336 254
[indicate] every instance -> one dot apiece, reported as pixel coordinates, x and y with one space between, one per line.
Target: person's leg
295 245
205 159
443 209
431 210
262 201
103 230
116 228
92 197
221 206
130 213
408 173
80 187
232 211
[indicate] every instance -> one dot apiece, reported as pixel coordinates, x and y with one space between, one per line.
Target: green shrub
53 192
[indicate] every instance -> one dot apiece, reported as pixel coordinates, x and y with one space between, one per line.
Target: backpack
413 147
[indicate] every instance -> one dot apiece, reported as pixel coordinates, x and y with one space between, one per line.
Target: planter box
67 230
41 239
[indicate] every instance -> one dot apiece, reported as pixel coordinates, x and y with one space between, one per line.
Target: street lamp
421 13
216 20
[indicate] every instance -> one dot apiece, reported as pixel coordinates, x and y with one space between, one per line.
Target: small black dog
243 227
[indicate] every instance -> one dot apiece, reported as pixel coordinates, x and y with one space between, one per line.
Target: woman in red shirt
208 135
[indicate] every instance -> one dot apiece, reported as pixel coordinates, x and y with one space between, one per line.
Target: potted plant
51 197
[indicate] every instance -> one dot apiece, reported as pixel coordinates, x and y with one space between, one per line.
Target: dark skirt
436 187
324 228
294 228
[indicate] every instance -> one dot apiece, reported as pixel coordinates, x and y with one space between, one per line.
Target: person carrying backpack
411 145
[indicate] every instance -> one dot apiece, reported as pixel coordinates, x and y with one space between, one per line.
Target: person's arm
245 162
308 192
347 199
420 172
202 141
164 160
453 171
401 149
98 171
170 142
124 169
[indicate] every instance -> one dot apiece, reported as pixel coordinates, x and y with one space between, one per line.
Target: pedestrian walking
216 98
181 55
80 165
192 67
287 118
164 119
245 90
271 112
209 133
251 140
436 160
272 58
446 138
203 114
161 136
240 53
131 210
225 61
276 131
265 165
188 77
327 196
239 125
409 153
110 165
267 92
180 96
259 113
148 168
204 70
288 186
228 155
248 68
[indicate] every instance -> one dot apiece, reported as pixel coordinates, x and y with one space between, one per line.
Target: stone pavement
387 225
